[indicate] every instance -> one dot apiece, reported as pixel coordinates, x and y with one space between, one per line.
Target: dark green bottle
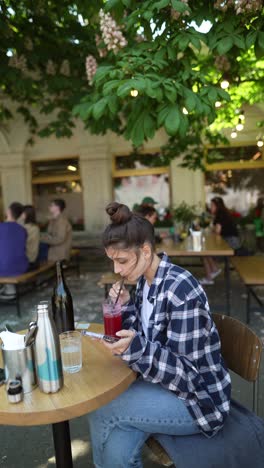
61 301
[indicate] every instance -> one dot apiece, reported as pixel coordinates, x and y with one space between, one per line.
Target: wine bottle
47 352
62 306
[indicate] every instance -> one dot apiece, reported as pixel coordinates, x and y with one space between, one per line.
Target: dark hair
16 209
30 214
60 203
145 210
127 229
220 205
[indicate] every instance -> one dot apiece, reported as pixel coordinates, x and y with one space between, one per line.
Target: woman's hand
121 345
124 296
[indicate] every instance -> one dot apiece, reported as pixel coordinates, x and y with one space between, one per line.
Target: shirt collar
159 276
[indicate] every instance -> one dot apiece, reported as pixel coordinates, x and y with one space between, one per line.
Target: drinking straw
120 289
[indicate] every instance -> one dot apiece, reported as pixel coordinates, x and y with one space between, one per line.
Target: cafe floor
32 447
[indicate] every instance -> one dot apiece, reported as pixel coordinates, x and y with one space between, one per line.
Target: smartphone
2 376
100 336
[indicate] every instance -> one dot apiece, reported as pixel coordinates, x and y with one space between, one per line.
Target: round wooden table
102 378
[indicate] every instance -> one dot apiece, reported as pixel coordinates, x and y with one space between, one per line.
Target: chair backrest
241 348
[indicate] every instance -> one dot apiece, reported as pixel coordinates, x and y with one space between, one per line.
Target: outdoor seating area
132 234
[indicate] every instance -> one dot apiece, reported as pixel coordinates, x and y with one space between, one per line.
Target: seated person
28 220
13 259
224 225
59 235
147 212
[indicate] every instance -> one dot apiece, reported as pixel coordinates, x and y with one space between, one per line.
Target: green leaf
179 6
223 94
149 125
112 4
261 39
212 95
183 43
99 108
162 114
225 45
239 42
173 120
170 92
161 4
251 39
113 104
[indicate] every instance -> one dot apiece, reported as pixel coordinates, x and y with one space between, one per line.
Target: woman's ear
147 252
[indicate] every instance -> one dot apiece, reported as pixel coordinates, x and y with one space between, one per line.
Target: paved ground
32 447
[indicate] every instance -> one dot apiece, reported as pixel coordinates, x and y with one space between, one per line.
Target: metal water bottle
47 352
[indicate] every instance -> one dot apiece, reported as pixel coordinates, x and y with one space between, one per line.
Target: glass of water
71 351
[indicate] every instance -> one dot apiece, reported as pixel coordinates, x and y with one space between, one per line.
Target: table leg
248 304
62 444
227 285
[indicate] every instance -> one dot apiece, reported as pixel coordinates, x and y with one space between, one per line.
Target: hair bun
119 213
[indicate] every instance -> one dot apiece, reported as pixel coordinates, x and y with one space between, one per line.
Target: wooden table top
102 378
250 269
213 245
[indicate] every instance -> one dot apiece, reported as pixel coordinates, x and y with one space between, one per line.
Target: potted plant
184 215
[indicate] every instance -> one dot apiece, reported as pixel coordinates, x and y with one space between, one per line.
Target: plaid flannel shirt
182 350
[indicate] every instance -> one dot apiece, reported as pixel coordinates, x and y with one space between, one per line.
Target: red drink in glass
112 318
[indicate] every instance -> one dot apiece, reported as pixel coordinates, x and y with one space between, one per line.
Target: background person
28 219
59 233
169 339
224 225
13 258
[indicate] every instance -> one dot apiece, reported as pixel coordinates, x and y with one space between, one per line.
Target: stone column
186 185
13 178
95 167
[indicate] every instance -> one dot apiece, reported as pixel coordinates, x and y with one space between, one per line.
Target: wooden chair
241 349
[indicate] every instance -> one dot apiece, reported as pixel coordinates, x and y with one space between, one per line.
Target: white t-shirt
146 309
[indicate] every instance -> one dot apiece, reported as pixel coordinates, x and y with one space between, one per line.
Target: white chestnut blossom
91 67
240 6
50 68
222 63
19 62
65 68
111 32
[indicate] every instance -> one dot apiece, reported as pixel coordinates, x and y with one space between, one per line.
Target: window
58 179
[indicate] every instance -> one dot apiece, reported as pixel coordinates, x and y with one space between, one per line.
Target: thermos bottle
47 352
61 301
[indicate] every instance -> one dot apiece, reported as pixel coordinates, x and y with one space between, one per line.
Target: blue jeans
119 429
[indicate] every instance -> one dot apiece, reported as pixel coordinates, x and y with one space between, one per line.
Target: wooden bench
110 278
251 272
34 276
28 277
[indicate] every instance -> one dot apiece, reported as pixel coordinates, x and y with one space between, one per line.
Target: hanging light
239 126
260 142
71 168
233 133
218 104
224 84
184 110
241 115
134 92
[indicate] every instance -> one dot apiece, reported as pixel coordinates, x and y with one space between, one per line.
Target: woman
224 225
28 219
169 339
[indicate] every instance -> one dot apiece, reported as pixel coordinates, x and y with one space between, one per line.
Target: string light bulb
218 104
71 168
224 84
134 92
260 142
184 110
241 115
233 133
239 126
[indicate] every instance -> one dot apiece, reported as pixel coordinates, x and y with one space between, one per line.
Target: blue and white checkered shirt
181 351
